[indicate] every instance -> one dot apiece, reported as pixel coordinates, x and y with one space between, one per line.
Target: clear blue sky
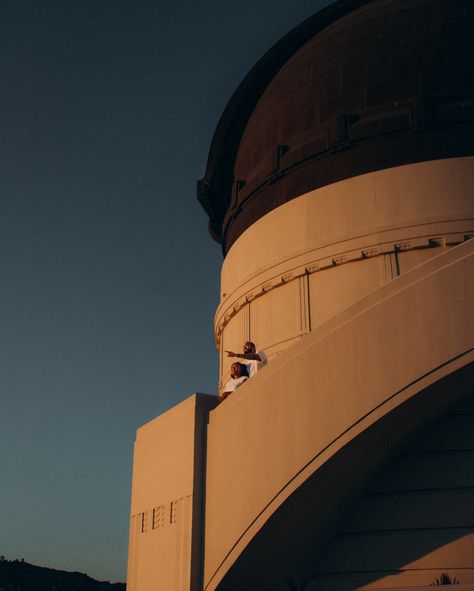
109 277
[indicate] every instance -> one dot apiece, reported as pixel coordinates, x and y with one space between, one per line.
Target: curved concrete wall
312 257
421 505
295 415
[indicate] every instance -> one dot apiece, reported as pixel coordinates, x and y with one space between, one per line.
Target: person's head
236 370
249 347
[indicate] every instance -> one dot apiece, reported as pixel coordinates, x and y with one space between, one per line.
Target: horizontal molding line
382 230
437 451
316 266
406 491
393 530
353 144
463 228
391 571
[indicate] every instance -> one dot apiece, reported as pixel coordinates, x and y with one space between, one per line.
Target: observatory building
340 184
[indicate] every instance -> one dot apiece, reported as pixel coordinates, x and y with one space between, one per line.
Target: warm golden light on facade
341 189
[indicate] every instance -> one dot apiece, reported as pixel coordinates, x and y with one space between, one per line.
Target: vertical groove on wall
304 307
133 554
397 264
247 331
199 495
308 299
391 266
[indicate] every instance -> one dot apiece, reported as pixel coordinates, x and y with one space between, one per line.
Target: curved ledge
369 367
429 396
259 285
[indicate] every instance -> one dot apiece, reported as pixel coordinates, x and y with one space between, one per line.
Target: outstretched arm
248 356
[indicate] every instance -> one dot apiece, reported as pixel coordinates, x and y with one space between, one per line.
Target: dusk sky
110 278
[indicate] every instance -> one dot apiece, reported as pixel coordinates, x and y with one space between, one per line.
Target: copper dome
360 86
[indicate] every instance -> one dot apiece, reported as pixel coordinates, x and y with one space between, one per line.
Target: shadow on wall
408 505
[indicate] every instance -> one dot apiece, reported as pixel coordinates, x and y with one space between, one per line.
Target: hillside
16 575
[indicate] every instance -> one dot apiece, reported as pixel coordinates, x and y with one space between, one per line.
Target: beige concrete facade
417 512
308 405
165 548
341 190
398 359
312 257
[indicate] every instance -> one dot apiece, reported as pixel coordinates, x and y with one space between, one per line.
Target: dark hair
244 368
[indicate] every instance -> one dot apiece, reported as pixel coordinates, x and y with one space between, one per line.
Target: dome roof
360 86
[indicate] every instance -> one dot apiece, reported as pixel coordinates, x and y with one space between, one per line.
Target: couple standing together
240 372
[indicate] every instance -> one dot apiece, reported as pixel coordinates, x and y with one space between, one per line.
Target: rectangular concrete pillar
165 547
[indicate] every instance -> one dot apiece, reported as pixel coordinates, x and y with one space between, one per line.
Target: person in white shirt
255 359
238 375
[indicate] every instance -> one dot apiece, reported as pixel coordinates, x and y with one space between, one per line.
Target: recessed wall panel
333 290
276 317
412 258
